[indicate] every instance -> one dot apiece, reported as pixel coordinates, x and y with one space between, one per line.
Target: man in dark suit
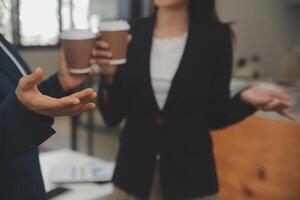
27 109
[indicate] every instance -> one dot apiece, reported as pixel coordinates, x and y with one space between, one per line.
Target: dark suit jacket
21 131
199 100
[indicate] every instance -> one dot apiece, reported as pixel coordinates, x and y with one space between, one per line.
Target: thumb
27 82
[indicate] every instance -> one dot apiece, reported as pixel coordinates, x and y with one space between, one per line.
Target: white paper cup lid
119 25
77 34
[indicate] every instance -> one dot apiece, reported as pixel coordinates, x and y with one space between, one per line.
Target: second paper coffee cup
115 33
77 46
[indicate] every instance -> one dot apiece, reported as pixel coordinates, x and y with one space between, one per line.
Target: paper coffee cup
77 46
115 33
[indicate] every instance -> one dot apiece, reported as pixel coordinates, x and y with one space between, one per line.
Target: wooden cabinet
259 159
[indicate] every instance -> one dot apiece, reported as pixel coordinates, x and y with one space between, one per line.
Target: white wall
45 58
264 27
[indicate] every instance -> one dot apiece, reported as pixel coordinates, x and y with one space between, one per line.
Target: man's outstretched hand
28 94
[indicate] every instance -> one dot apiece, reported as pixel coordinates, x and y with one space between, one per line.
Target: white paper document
78 173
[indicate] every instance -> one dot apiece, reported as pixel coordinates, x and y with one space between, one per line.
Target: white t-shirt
166 54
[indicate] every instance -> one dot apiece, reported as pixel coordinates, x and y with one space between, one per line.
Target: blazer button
105 99
159 121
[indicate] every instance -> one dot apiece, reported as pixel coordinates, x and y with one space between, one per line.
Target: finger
129 38
70 109
65 102
101 44
277 104
77 108
273 105
32 80
280 95
100 61
102 53
84 108
287 115
87 107
82 94
88 98
285 104
62 106
264 102
51 106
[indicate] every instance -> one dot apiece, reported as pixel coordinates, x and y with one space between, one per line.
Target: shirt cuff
21 108
243 107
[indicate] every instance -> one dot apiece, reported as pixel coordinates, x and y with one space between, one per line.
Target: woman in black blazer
167 152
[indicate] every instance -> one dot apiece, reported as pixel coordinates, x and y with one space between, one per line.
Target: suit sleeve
113 100
224 110
52 87
21 129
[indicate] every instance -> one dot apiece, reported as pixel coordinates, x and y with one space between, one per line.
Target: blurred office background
258 159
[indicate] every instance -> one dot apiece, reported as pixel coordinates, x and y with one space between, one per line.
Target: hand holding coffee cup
102 56
111 46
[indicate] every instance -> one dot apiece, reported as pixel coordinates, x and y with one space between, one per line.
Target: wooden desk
259 159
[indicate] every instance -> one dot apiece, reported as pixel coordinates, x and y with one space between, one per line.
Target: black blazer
199 100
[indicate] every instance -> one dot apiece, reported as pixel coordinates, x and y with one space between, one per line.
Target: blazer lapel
9 69
144 46
7 66
185 61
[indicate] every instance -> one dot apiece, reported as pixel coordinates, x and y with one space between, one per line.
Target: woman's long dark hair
204 12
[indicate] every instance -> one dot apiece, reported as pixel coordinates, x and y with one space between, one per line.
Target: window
39 25
27 25
5 19
33 23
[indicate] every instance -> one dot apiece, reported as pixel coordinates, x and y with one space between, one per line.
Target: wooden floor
259 159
